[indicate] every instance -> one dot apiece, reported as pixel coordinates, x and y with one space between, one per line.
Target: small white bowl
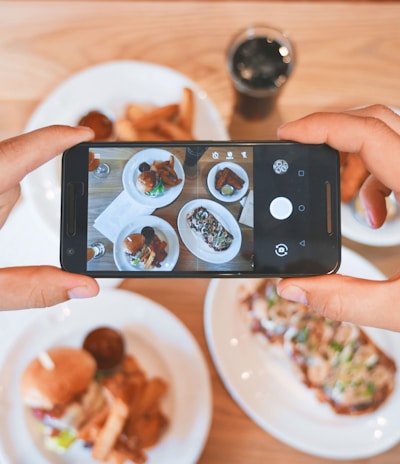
237 169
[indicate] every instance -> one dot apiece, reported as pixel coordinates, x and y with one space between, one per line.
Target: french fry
172 130
133 112
91 428
152 118
111 430
186 110
125 130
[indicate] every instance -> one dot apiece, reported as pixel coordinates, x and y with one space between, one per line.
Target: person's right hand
372 133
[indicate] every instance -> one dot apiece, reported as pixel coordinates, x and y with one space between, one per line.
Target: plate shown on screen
110 86
162 345
165 233
131 173
237 169
194 242
263 383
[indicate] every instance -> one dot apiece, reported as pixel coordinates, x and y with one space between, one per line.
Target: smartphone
200 209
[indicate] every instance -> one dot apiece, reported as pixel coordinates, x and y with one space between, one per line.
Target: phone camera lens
70 251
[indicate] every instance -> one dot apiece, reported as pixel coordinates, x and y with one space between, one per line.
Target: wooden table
347 54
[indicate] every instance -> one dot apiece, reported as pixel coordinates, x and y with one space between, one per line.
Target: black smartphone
200 209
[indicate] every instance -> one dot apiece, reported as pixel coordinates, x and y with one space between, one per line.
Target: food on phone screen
174 121
160 176
337 360
147 182
212 232
106 345
145 248
227 181
115 414
101 125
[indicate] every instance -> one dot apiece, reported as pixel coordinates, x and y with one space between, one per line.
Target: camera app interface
183 209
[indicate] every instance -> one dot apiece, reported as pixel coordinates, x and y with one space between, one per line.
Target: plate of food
209 231
135 95
150 243
228 181
95 357
153 177
339 401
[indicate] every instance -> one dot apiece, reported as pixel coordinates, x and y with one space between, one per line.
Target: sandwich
59 388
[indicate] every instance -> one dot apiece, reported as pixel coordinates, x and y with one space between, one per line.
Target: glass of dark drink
260 61
192 155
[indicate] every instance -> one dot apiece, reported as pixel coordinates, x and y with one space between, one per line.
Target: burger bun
146 181
70 374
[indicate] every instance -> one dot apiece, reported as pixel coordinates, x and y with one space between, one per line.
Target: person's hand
36 286
373 134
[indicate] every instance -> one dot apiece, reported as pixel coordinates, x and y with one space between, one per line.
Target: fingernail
294 294
80 292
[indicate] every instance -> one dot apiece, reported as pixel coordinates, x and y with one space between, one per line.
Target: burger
149 183
134 243
60 389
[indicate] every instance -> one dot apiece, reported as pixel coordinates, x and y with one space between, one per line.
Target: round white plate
261 380
356 230
131 172
195 244
237 169
165 233
162 345
109 86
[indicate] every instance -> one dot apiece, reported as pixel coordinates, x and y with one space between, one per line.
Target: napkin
247 215
118 214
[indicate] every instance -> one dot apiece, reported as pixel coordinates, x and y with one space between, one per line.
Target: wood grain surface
347 54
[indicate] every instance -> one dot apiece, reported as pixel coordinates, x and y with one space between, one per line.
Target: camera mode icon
281 250
280 166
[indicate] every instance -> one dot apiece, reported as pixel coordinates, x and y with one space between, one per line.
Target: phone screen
212 209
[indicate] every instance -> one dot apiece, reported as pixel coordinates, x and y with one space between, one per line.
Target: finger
7 201
370 137
24 153
373 197
337 297
42 286
382 112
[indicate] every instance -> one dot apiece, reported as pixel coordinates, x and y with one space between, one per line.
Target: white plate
237 169
111 86
162 345
131 172
164 231
354 229
261 380
195 244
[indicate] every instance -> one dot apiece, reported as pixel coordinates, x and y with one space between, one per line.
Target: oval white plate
163 347
262 382
237 169
131 172
195 244
164 231
110 86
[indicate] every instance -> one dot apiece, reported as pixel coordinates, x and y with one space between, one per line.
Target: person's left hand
36 286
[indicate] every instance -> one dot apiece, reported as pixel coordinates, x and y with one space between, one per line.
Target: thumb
42 286
360 301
